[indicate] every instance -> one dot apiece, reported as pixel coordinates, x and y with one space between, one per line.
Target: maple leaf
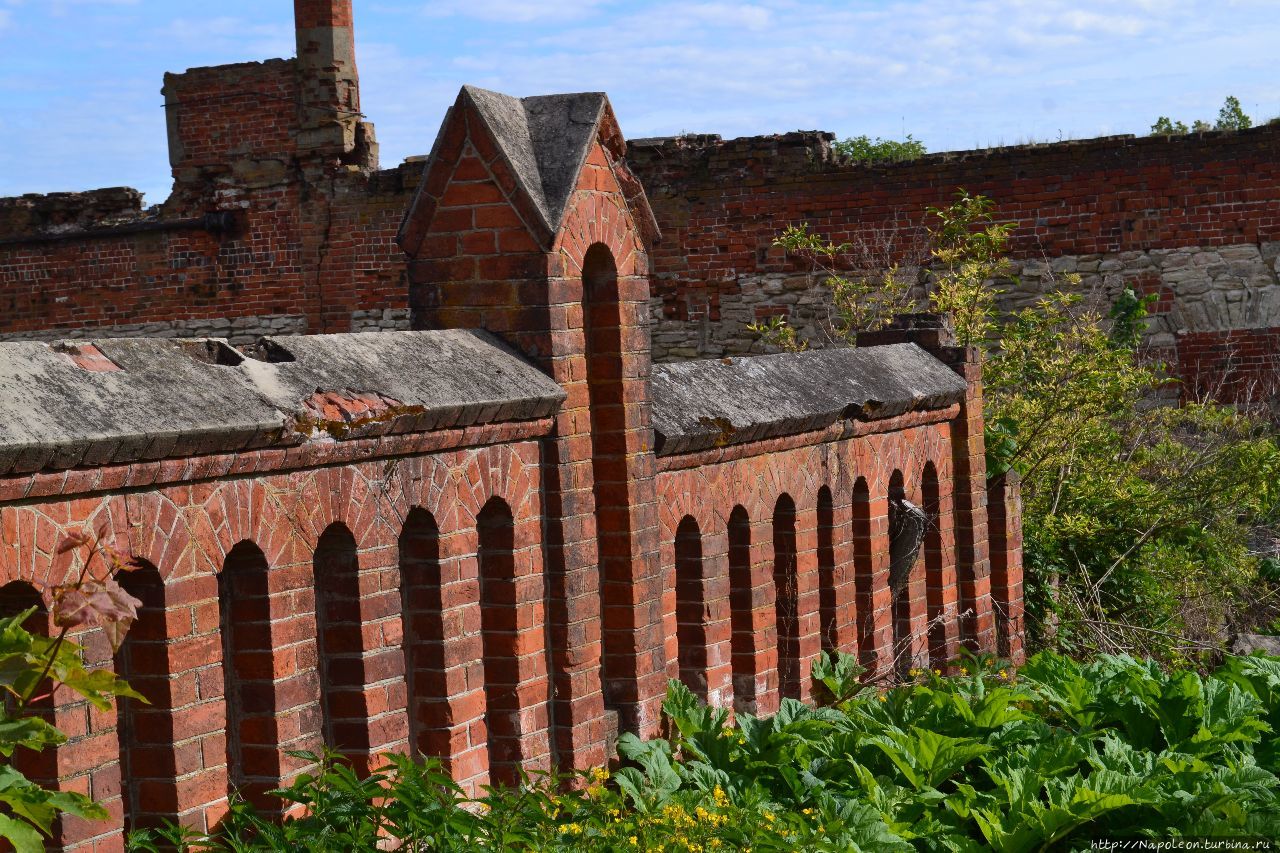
103 603
72 540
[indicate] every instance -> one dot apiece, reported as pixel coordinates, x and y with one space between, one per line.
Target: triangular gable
543 143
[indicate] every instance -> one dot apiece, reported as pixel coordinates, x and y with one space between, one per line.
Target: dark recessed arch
421 606
864 573
691 628
742 640
786 596
499 623
827 571
340 641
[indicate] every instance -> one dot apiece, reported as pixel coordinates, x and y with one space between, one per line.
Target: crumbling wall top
58 213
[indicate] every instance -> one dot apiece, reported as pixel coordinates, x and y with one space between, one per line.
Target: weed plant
1053 757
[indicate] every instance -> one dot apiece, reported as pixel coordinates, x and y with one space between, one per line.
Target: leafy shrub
951 269
864 149
1146 527
1051 757
1138 518
1230 117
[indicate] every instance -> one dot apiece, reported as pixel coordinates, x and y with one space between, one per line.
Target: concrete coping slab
713 403
94 402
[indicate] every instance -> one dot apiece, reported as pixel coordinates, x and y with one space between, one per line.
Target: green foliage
31 665
1230 117
968 260
1137 518
961 266
1050 758
864 149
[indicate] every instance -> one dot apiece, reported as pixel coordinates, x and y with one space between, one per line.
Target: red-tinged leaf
115 631
133 564
71 606
96 602
71 541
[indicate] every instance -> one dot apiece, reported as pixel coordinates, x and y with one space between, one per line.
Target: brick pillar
495 247
808 599
329 86
873 610
717 621
840 606
758 598
1004 517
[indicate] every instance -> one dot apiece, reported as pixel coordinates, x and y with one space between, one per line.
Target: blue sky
82 77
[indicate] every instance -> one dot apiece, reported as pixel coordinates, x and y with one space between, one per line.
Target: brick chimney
329 83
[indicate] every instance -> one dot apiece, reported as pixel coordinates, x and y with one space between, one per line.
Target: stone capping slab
714 403
193 397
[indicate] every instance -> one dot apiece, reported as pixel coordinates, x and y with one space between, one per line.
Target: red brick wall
187 532
301 597
721 203
744 671
223 114
477 264
312 241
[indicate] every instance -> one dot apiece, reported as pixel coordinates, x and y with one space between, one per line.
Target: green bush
864 149
1138 518
1051 757
1231 116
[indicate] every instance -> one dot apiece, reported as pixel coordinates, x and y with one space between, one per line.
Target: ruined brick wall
504 595
273 226
1191 218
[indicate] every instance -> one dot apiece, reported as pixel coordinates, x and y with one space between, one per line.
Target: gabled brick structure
492 539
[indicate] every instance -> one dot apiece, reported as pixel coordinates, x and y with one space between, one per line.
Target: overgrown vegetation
1053 757
1147 527
1140 520
32 665
1230 117
864 149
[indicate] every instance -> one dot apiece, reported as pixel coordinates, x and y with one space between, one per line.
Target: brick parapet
842 431
193 469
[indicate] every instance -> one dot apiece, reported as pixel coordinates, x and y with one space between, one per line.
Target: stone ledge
704 404
115 401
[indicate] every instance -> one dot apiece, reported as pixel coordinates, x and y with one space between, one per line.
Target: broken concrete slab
111 401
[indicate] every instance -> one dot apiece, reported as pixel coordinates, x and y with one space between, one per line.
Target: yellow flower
599 774
882 698
806 811
915 672
634 841
937 672
571 829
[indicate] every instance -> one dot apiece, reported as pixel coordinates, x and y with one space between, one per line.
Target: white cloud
513 11
231 39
